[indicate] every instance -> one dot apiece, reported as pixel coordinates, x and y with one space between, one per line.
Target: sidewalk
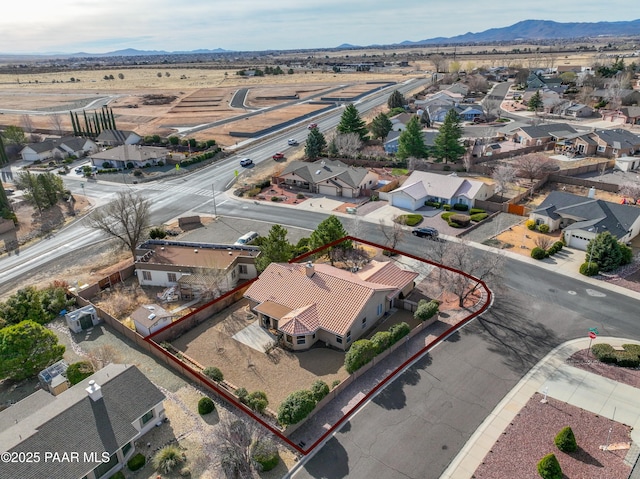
560 381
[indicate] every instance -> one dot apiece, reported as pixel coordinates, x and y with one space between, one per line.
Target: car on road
246 162
278 156
292 142
426 232
312 126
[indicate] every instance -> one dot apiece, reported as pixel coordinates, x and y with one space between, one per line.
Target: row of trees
93 125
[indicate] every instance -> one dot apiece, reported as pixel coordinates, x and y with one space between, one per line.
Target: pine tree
380 126
316 143
350 122
411 141
604 250
447 142
3 153
274 248
535 102
396 100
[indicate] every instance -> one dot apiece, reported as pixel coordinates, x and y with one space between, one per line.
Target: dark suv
425 232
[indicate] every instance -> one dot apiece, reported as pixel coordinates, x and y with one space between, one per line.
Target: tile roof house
196 269
138 155
58 148
331 178
582 218
91 427
309 302
422 186
118 137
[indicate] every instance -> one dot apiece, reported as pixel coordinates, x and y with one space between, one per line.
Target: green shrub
538 253
549 467
626 359
213 373
205 406
604 353
359 354
558 245
460 207
296 407
426 309
543 228
531 224
460 220
409 220
167 459
136 462
565 440
157 233
264 452
589 268
446 207
276 198
632 349
479 217
335 383
253 192
475 211
319 389
381 341
446 215
257 401
433 204
626 253
399 331
300 196
118 475
76 372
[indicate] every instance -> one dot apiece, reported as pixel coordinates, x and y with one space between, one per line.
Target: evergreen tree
274 248
316 143
425 120
3 153
447 143
411 141
535 102
396 100
380 126
328 231
350 122
5 206
604 250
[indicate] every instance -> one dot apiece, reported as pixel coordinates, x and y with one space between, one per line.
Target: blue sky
95 26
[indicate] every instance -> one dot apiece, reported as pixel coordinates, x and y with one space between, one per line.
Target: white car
292 142
246 162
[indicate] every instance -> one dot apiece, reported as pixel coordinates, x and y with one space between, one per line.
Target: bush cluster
200 158
459 221
136 462
433 204
364 350
629 357
213 373
476 218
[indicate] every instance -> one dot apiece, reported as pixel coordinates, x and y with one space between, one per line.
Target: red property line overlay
233 400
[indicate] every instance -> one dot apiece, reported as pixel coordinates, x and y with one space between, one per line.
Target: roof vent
152 316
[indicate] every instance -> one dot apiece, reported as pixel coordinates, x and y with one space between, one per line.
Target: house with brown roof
150 318
195 269
307 303
615 143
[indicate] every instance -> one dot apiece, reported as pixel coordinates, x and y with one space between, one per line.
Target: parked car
246 238
426 232
246 162
292 142
312 126
278 156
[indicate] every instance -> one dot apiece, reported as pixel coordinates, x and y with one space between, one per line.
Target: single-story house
123 155
118 137
422 186
574 110
307 303
582 218
58 148
627 96
327 177
391 141
196 269
87 431
626 114
542 134
615 143
400 121
150 318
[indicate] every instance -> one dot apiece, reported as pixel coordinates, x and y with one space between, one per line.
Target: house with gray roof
125 156
615 143
86 432
58 148
582 218
542 134
331 178
118 137
391 141
627 114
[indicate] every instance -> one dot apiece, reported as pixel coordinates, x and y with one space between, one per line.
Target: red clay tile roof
300 321
385 272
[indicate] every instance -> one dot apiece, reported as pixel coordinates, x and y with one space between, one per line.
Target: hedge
460 220
360 353
433 204
460 207
296 407
399 331
589 268
319 389
475 211
446 215
382 340
604 353
629 358
565 440
479 217
136 462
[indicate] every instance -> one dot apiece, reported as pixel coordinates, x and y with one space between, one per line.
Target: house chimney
94 391
309 270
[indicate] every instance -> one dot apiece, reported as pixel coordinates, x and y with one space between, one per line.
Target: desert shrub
359 354
137 173
549 467
426 309
276 198
399 331
475 211
167 459
296 407
257 401
213 373
242 394
460 207
531 224
319 389
157 233
543 228
446 215
604 352
565 440
136 462
252 192
479 217
542 242
461 220
538 253
446 207
76 372
381 341
335 383
300 196
264 453
626 359
409 220
205 406
589 268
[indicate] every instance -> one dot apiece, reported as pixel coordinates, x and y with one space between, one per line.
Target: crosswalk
176 189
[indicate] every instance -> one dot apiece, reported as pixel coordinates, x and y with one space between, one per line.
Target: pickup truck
278 156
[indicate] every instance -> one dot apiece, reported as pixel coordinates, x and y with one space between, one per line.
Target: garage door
401 202
575 241
327 190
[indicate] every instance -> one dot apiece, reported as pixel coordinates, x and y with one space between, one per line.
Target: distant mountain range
132 52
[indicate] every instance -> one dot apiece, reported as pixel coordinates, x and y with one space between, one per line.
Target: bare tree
543 241
438 61
236 441
27 124
534 165
348 144
615 89
503 175
56 122
394 234
103 355
630 190
468 160
491 105
125 218
477 83
584 95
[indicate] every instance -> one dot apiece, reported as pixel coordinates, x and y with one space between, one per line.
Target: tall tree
604 250
380 126
327 231
126 218
15 135
411 141
350 122
5 205
535 102
274 248
315 144
396 100
27 348
447 142
534 165
4 159
503 175
42 190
